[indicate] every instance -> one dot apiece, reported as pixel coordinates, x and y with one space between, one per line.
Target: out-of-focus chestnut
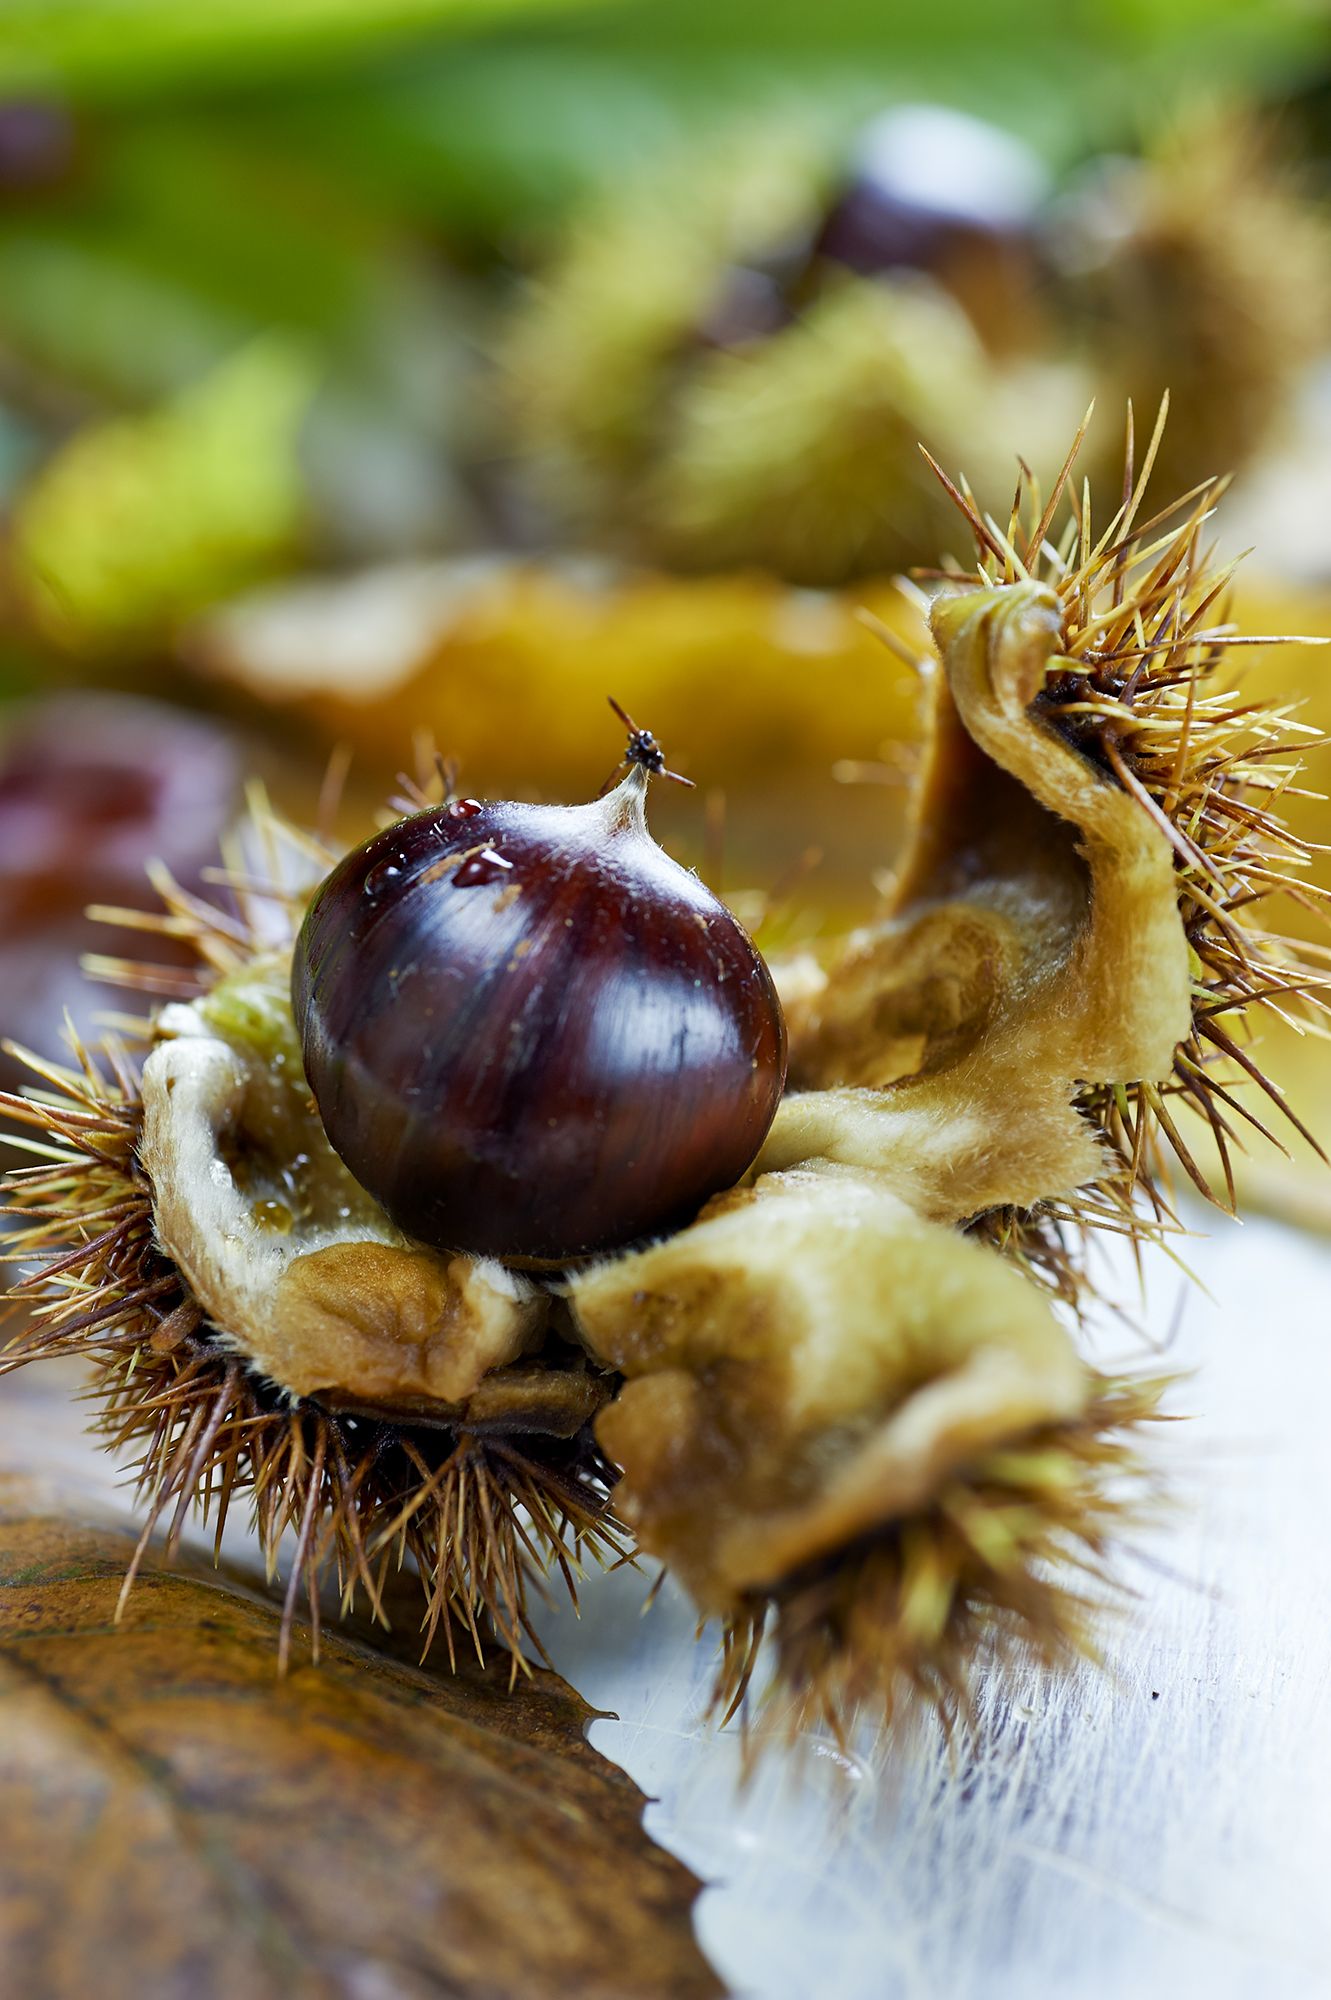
933 190
529 1032
92 788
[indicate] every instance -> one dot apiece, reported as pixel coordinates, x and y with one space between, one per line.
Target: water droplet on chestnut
477 869
546 1074
381 877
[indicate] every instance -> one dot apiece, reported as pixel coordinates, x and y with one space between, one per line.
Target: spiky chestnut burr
474 1494
838 1402
1000 1065
800 453
692 379
1201 267
258 1331
635 276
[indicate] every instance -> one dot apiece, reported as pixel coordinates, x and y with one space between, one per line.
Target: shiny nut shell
532 1034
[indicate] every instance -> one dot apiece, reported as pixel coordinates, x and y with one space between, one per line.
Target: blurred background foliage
468 112
176 180
270 269
179 183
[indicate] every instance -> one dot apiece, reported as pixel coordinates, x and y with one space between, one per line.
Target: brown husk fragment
180 1820
846 1398
805 1362
306 1275
909 1609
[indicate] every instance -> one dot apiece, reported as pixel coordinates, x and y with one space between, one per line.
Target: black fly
643 750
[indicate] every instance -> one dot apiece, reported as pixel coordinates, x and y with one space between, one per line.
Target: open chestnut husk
530 1033
845 1404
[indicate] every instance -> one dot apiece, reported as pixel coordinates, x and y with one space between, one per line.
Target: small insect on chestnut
529 1032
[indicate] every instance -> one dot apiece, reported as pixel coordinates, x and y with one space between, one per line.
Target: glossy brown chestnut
529 1032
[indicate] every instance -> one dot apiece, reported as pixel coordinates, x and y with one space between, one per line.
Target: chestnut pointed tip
627 802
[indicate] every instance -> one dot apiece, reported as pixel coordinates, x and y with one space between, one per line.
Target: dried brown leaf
180 1821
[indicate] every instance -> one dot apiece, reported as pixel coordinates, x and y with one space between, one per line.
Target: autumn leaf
179 1821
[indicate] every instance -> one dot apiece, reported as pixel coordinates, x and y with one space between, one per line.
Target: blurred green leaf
513 126
324 171
150 269
20 672
138 520
99 48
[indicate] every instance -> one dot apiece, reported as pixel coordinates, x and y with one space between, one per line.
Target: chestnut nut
530 1033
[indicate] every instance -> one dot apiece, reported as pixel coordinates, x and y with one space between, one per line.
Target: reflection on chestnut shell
530 1033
